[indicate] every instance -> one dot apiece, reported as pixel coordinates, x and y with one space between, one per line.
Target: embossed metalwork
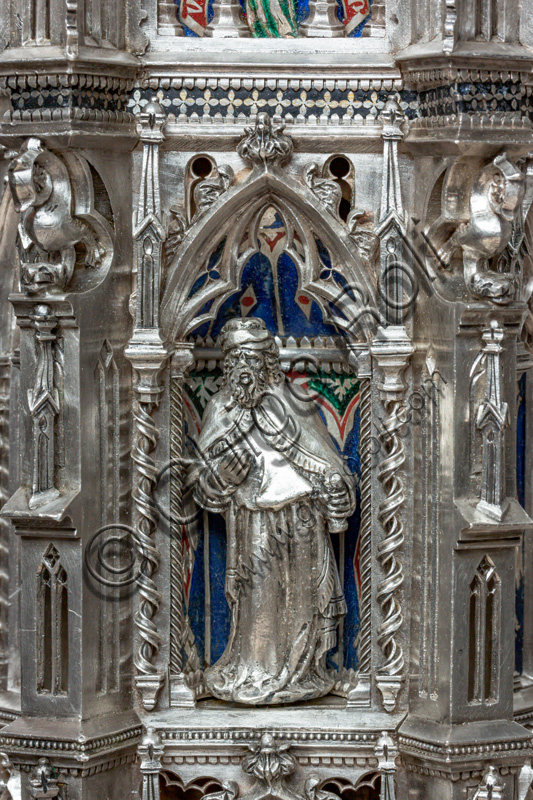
44 405
490 787
365 647
391 227
491 420
389 514
430 411
270 763
328 192
45 783
149 596
482 216
264 458
392 349
384 235
53 218
52 625
108 383
386 751
265 143
148 356
151 749
209 190
179 630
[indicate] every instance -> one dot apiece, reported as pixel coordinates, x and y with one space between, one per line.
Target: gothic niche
484 634
52 625
267 412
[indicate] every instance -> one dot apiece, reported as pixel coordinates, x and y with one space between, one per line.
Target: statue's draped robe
288 594
272 18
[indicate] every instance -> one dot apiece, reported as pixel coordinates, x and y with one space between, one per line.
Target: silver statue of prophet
268 463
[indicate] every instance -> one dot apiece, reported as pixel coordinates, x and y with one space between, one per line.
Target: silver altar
150 153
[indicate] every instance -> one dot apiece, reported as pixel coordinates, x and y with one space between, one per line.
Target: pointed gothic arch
353 309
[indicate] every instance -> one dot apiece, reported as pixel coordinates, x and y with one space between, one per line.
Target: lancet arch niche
272 248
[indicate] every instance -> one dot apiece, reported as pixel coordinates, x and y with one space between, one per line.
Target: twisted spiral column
177 620
148 357
4 523
388 549
392 350
365 551
180 692
146 524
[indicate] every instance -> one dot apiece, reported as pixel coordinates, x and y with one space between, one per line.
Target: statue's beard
247 387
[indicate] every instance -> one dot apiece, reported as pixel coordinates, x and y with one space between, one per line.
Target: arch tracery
240 209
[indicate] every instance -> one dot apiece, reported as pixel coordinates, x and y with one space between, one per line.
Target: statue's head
251 359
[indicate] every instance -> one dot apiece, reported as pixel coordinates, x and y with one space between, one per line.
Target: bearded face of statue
247 375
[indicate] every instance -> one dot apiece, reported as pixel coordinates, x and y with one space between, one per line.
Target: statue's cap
246 332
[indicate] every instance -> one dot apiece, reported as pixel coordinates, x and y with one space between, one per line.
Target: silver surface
105 229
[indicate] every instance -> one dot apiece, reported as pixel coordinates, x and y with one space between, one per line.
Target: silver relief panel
267 478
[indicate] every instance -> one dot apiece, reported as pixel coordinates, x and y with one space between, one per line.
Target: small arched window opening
484 634
340 169
52 625
198 169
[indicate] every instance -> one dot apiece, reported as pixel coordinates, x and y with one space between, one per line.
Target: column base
181 695
92 758
149 687
448 762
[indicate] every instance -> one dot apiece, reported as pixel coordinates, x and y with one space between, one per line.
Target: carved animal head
507 188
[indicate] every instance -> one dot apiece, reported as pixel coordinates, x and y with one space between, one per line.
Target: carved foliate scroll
5 774
60 232
210 189
327 191
265 143
150 752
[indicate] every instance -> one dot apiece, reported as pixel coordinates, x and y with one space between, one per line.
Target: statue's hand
337 497
235 467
